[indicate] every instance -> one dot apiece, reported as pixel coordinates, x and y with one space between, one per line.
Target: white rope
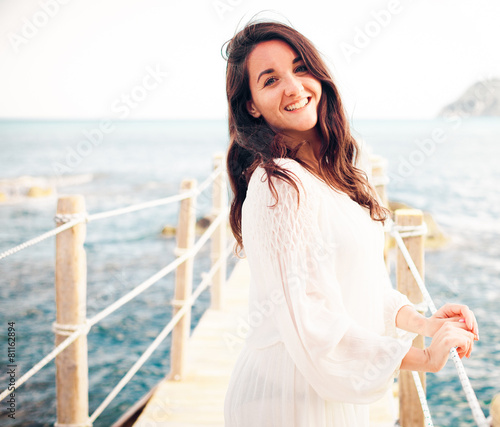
42 237
159 202
160 274
177 303
65 218
141 206
208 180
413 268
423 399
65 329
159 339
83 329
410 230
477 412
68 222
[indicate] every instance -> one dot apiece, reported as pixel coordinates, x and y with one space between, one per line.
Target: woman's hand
459 315
453 325
449 335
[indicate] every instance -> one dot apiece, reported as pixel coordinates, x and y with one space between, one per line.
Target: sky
161 59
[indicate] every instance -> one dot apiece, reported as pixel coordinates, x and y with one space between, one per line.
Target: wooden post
380 180
183 282
71 306
219 200
495 411
379 177
410 410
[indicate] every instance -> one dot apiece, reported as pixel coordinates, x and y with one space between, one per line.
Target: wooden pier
198 400
193 392
212 351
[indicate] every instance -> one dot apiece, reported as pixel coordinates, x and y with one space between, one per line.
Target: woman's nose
293 86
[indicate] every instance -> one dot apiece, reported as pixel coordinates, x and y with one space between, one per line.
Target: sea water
446 167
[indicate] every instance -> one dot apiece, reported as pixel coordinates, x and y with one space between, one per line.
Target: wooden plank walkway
198 400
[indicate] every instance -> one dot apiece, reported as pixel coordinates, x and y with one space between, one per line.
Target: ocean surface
447 167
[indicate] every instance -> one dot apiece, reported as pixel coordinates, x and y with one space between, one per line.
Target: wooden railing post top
378 161
188 184
219 156
70 204
408 213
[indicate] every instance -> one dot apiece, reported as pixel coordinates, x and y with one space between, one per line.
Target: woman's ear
252 109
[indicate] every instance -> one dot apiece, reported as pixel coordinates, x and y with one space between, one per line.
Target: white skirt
267 390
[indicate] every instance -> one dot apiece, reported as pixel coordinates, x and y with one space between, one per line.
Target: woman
328 331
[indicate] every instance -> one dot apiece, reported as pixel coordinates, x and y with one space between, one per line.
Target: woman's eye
269 81
301 69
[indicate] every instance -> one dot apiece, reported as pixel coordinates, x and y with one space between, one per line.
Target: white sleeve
341 360
393 299
393 302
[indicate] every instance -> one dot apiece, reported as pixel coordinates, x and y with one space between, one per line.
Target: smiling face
283 91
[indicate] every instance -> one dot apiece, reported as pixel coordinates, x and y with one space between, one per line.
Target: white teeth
297 105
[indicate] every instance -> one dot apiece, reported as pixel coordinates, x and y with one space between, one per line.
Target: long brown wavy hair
253 143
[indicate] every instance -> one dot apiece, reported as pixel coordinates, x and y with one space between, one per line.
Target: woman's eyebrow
268 71
271 70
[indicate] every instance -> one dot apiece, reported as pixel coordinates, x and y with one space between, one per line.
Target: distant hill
481 99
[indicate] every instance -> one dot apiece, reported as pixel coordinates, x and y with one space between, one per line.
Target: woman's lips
298 104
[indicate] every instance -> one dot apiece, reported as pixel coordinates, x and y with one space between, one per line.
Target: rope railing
398 232
72 327
423 399
57 350
120 302
206 281
160 274
70 221
41 238
158 202
73 332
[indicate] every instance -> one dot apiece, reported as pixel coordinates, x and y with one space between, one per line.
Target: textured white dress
323 342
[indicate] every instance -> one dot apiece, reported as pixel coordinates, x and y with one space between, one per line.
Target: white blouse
323 342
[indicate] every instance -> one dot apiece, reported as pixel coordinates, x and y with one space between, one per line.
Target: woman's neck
309 150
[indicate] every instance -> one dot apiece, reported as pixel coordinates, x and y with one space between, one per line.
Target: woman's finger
451 311
458 335
467 343
470 319
470 349
461 325
476 326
